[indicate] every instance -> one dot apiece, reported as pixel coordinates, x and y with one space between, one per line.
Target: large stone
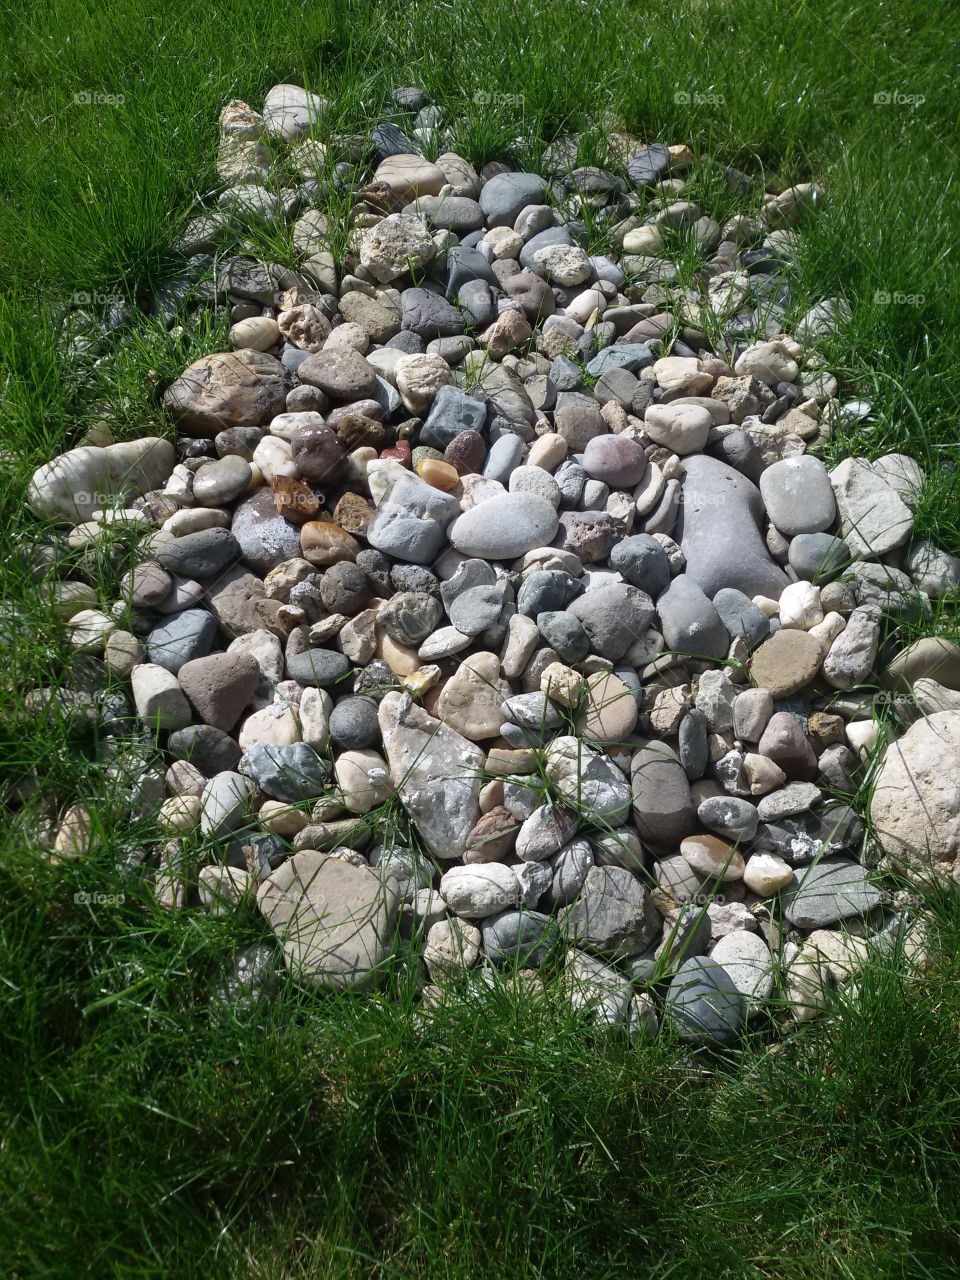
472 701
662 800
614 914
874 518
266 539
690 622
411 519
437 773
703 1003
614 617
787 662
505 526
798 496
335 921
718 529
229 389
399 244
915 808
480 890
286 771
830 890
78 483
504 196
219 686
341 372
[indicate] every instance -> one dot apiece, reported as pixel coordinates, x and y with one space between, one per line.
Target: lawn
151 1131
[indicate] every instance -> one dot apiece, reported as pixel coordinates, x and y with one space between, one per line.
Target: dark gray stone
181 638
321 667
452 411
663 809
523 938
290 772
614 914
718 529
689 621
742 618
703 1005
643 563
354 724
199 555
832 890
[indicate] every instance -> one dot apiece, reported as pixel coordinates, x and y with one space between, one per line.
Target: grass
151 1132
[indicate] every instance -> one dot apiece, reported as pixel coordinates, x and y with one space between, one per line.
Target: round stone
798 495
341 372
217 483
354 724
616 460
505 527
786 662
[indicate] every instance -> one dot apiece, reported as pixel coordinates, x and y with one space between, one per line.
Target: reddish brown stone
466 452
401 452
293 499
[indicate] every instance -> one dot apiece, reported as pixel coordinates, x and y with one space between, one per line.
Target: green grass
147 1131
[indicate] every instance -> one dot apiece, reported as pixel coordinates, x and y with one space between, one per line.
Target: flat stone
437 773
158 698
472 702
341 372
199 555
874 519
336 921
610 711
915 807
289 772
504 527
504 197
831 890
180 638
229 389
798 495
786 663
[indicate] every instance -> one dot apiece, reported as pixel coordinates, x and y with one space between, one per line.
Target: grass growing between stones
148 1132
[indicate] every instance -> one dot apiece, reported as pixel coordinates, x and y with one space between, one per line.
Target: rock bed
490 611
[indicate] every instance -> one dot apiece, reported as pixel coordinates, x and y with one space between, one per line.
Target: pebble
798 495
504 527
